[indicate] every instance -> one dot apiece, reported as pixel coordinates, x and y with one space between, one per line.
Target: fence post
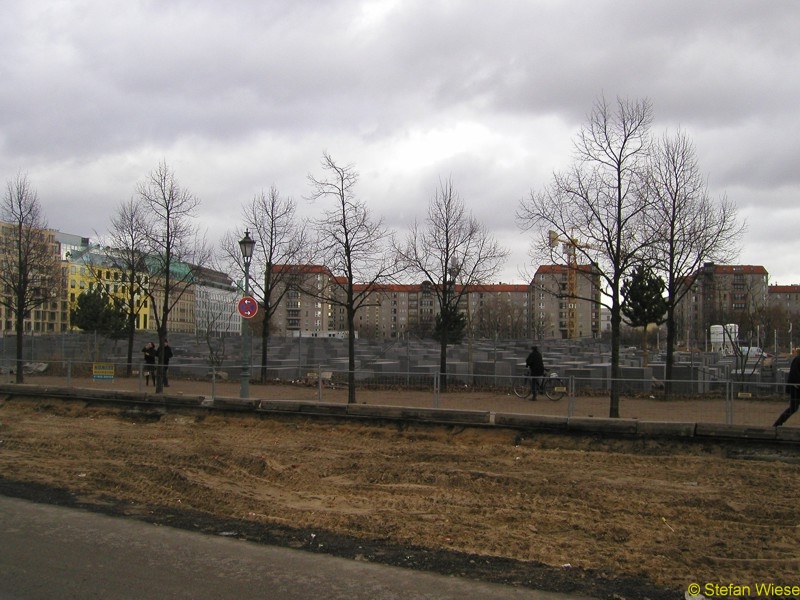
213 382
319 383
436 390
571 396
729 403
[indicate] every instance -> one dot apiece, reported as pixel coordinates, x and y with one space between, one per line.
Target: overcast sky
239 95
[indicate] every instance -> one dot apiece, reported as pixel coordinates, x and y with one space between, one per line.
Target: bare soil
603 517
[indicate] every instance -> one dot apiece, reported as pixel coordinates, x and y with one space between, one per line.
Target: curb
630 428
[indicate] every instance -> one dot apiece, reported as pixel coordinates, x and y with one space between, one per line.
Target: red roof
416 287
743 269
304 269
559 269
499 287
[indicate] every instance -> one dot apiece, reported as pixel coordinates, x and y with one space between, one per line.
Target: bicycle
551 385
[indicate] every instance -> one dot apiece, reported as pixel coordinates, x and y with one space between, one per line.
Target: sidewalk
54 552
745 411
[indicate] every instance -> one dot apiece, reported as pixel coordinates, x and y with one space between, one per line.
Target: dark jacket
150 354
167 353
793 380
535 363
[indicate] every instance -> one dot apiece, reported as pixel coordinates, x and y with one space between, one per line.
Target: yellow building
93 267
207 301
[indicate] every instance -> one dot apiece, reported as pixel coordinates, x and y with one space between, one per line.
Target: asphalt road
49 552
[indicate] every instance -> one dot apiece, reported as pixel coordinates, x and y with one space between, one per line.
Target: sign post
248 307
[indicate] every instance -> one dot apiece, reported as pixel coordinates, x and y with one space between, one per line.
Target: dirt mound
607 518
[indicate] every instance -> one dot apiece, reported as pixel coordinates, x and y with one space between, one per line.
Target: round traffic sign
248 307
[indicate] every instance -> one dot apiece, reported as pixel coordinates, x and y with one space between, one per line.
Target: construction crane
569 247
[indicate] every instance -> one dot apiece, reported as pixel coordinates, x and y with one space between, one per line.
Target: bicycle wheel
521 387
554 388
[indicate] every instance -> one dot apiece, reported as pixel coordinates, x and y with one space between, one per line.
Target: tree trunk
616 320
670 351
19 376
351 354
443 362
162 335
264 345
131 335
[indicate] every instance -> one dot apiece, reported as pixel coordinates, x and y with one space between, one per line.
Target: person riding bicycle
535 364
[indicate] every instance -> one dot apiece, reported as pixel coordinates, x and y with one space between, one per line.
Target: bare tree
598 206
452 251
498 317
173 247
353 245
125 250
281 243
687 226
213 327
30 272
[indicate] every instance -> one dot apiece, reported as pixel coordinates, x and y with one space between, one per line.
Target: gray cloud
240 96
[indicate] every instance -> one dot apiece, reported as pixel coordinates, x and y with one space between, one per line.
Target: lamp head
246 245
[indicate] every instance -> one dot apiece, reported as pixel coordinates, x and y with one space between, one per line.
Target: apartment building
499 310
565 302
300 311
51 314
215 304
543 309
719 295
785 297
207 305
397 310
393 311
203 302
385 314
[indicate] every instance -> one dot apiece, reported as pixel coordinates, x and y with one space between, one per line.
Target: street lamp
246 245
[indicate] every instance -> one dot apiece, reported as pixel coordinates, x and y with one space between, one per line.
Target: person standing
535 364
165 353
792 388
149 352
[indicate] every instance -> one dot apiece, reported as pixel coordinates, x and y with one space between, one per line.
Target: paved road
49 552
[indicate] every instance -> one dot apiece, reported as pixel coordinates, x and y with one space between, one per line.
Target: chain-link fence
487 377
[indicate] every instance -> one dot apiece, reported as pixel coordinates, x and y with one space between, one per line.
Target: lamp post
246 245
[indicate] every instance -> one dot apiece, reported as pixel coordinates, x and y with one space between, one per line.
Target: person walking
149 352
535 364
164 354
792 388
